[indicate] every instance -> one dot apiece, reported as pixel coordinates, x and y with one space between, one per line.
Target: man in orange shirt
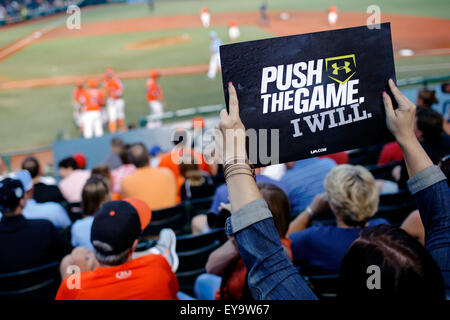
114 236
77 103
155 186
155 96
92 99
115 104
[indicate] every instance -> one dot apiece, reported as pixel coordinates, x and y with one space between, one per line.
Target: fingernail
384 92
230 83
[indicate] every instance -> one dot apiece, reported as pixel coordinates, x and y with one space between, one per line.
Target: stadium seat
174 217
365 156
324 286
395 207
193 252
198 206
40 283
383 171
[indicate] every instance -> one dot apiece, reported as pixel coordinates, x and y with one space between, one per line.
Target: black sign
321 90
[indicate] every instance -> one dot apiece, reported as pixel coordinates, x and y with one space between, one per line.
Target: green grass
30 117
422 67
72 56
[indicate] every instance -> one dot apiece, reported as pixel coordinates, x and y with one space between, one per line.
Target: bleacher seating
193 252
383 171
40 283
324 286
175 218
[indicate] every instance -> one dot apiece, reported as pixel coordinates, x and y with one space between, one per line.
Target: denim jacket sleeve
432 195
271 276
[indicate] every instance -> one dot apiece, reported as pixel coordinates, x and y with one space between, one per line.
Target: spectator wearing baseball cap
51 211
73 179
114 236
45 188
25 243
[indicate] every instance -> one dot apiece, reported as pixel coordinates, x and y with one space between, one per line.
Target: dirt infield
158 42
424 35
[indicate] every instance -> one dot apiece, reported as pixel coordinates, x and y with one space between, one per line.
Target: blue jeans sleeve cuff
249 214
425 178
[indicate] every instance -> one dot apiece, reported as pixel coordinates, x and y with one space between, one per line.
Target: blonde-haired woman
352 195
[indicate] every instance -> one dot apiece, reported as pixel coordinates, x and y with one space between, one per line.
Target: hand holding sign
401 120
230 134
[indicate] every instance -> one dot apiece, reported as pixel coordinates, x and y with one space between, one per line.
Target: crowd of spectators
270 215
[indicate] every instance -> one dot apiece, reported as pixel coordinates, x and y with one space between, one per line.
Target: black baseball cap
11 191
118 224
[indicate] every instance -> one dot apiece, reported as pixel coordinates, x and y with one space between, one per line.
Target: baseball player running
115 105
93 98
155 96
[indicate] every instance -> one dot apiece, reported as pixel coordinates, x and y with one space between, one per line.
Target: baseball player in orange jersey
205 16
155 95
93 98
115 105
77 104
332 15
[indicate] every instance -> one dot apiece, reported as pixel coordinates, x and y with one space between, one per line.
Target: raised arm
427 182
270 273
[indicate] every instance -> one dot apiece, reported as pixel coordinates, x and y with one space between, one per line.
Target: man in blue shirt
51 211
304 180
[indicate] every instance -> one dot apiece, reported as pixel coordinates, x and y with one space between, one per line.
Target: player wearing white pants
205 17
115 109
92 124
156 108
233 31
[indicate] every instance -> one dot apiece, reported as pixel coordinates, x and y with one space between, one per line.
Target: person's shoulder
152 261
42 224
377 221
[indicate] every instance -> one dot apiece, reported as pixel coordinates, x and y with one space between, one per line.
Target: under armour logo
123 274
344 67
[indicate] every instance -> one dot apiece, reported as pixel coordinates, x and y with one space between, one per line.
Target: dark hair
68 163
31 165
124 154
94 194
103 171
138 154
279 205
187 164
428 97
407 270
430 123
116 142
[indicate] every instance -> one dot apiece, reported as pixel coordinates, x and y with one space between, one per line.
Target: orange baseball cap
118 224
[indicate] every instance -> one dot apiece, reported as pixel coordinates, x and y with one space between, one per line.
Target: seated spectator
114 235
426 98
25 243
199 223
391 152
95 193
103 171
113 160
124 170
73 180
429 132
408 269
352 196
43 192
50 211
155 186
227 276
304 179
197 183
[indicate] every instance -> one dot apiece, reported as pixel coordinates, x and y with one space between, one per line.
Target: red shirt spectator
339 157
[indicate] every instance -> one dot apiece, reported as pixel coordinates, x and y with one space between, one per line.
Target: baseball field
41 60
